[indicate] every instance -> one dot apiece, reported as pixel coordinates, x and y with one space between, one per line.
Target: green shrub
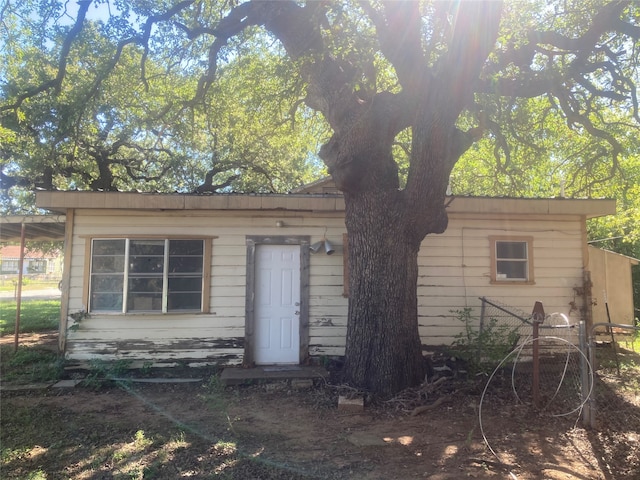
483 349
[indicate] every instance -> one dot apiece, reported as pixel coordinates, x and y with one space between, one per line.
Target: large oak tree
443 74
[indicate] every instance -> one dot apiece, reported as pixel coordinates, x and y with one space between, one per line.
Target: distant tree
444 74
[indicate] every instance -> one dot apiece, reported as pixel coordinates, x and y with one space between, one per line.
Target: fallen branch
425 408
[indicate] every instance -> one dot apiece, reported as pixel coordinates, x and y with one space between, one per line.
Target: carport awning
37 227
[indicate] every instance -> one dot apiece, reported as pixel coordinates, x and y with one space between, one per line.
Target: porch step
271 373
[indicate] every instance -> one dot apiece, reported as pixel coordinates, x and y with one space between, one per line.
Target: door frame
249 324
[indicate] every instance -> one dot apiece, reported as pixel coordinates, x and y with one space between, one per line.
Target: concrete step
271 373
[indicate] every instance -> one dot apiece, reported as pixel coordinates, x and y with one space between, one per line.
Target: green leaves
113 126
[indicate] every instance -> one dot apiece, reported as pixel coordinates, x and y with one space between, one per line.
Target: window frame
493 244
206 275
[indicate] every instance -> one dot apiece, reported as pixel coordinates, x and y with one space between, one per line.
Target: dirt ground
203 430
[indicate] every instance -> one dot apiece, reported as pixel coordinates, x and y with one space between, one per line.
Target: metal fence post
592 399
538 318
585 386
480 337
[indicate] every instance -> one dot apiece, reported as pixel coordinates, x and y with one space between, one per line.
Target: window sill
149 313
511 282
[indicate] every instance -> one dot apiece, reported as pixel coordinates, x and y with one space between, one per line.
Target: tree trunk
383 350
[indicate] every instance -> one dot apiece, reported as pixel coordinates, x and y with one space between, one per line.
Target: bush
483 349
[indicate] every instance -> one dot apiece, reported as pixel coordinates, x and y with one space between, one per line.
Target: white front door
277 304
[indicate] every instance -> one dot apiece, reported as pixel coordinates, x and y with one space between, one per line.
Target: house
232 278
35 263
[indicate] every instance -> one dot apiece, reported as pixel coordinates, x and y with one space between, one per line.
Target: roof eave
60 201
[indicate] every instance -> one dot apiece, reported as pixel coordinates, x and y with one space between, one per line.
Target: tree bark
383 350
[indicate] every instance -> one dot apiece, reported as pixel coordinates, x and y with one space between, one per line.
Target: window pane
110 264
512 270
144 302
108 247
145 284
106 301
185 265
146 264
185 275
146 247
186 247
107 274
185 284
107 283
511 250
185 301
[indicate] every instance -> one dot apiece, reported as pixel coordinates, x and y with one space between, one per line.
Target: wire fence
556 371
615 357
613 409
543 362
597 369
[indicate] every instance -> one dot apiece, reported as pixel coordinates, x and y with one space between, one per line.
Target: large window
511 259
146 275
37 266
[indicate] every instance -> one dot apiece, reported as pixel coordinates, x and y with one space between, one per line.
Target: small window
511 260
9 266
146 275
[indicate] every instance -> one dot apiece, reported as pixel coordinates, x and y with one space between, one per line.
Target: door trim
249 323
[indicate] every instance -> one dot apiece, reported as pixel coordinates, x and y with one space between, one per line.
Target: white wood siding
216 335
454 273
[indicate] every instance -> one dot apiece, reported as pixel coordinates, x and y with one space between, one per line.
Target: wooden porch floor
271 373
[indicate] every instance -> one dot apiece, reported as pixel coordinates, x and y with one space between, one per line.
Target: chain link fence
543 361
563 372
614 354
560 367
612 412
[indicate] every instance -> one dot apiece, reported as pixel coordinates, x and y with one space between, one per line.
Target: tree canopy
97 126
102 95
526 97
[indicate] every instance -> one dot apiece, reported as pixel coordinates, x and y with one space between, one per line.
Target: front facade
234 279
35 262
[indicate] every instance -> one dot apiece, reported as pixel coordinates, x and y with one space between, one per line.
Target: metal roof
37 227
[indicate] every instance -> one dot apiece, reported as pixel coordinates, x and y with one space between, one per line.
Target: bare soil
203 430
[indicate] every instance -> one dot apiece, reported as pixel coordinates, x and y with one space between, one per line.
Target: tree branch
56 83
404 50
146 34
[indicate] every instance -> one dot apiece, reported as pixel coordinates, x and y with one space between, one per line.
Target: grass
28 284
35 316
631 342
29 364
